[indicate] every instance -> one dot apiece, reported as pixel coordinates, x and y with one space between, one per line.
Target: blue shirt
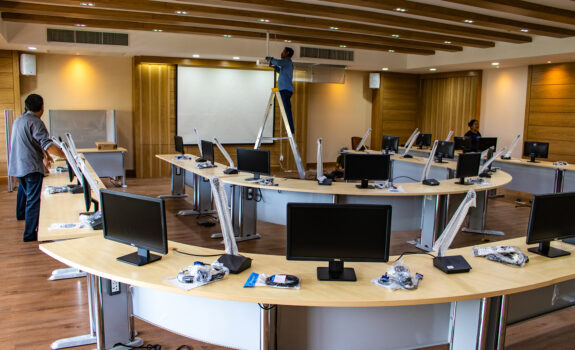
29 137
284 67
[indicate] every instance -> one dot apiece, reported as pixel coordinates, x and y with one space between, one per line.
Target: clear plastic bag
199 274
398 277
277 281
505 254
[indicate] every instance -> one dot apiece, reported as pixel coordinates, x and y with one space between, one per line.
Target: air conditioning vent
86 37
327 54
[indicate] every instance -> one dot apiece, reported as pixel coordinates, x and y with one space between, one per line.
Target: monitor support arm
362 142
413 135
225 153
487 163
429 161
199 140
513 144
444 241
321 178
449 135
411 142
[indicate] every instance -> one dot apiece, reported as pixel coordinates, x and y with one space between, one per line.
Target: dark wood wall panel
550 111
154 104
395 107
9 98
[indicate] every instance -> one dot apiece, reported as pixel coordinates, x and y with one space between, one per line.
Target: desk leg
268 326
478 215
559 176
202 197
178 183
244 214
66 273
433 220
85 339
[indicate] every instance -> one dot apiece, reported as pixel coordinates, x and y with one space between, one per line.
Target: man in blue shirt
29 145
284 67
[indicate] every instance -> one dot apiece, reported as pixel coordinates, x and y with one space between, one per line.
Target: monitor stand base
551 253
347 275
569 240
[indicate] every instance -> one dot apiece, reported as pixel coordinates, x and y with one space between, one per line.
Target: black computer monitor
534 150
179 144
329 232
366 167
390 144
207 151
423 140
462 143
484 143
550 219
467 165
445 149
137 220
253 161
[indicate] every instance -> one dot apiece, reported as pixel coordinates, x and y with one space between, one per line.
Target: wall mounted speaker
27 64
374 80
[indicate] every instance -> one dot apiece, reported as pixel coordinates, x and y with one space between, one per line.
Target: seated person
473 133
338 172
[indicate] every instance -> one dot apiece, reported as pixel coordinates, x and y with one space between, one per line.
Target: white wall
503 100
336 112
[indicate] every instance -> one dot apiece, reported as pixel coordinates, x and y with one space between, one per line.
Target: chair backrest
355 140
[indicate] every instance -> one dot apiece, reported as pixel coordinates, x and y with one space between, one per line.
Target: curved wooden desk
538 178
438 298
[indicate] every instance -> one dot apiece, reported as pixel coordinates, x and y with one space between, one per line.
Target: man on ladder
284 67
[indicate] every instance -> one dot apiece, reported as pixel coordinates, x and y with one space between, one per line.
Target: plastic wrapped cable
199 274
277 281
504 254
398 276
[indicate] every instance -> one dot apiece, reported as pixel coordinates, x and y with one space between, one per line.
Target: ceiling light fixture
334 28
468 21
344 46
494 63
32 48
158 30
385 69
548 61
432 69
180 12
196 56
227 36
525 30
399 9
447 42
236 58
287 41
392 51
88 4
80 25
395 35
264 20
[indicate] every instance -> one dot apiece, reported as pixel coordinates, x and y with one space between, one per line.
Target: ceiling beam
162 19
245 15
523 8
126 25
445 13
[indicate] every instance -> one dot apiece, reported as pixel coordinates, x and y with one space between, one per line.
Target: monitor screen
550 219
462 143
366 167
445 149
347 232
423 140
179 144
467 165
534 149
484 143
253 161
390 143
139 221
207 151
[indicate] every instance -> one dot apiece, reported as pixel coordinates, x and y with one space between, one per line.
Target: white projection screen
225 103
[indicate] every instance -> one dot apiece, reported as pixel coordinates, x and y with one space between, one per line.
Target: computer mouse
231 171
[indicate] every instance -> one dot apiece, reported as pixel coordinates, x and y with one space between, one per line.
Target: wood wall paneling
9 98
154 101
550 110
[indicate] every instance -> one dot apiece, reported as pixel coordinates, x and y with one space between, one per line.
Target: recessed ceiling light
392 51
334 28
399 9
227 36
80 25
385 68
158 30
468 21
494 63
344 46
264 20
447 42
548 61
196 56
395 35
236 58
432 69
287 41
179 12
88 4
32 48
525 30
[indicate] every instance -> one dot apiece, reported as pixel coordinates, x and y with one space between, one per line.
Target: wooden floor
34 311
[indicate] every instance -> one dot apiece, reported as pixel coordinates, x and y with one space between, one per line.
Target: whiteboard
225 103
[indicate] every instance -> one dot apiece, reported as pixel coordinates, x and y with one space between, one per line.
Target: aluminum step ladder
275 93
